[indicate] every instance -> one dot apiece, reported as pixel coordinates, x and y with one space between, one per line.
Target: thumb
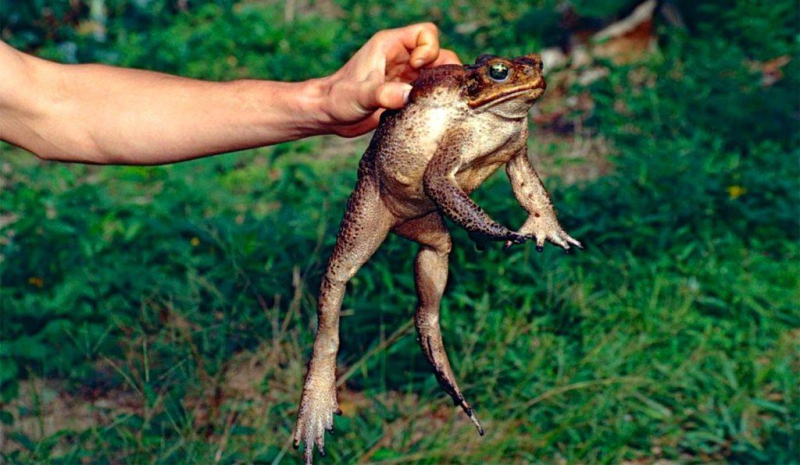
393 95
376 93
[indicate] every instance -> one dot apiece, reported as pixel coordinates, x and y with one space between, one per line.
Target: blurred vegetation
144 296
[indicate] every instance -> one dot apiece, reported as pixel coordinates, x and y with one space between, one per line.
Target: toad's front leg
440 185
364 227
531 194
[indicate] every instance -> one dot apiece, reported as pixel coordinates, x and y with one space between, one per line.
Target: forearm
101 114
527 186
441 187
542 222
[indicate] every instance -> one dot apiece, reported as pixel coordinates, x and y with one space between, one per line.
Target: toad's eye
498 71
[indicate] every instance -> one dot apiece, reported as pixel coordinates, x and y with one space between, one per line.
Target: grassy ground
166 314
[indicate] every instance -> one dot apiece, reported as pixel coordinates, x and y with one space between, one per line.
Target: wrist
313 107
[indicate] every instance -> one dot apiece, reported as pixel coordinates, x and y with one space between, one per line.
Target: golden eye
498 71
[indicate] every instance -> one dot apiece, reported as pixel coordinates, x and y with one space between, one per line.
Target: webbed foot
545 228
317 407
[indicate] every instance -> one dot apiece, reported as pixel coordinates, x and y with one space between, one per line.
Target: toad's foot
546 228
317 408
433 348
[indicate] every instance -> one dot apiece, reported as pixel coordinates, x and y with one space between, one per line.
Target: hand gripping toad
460 125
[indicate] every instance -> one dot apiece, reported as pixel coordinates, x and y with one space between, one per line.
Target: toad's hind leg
430 274
364 227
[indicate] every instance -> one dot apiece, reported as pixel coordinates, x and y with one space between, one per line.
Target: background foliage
165 314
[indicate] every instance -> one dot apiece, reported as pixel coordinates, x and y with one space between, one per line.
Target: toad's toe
317 409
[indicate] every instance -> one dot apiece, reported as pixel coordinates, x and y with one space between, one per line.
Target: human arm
109 115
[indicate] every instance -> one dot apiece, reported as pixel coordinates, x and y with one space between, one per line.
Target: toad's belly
404 194
404 146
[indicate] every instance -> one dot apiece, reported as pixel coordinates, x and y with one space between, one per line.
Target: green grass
166 314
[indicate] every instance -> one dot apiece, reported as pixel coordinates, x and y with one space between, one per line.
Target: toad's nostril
533 69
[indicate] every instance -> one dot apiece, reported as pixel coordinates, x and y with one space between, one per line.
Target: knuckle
380 36
429 26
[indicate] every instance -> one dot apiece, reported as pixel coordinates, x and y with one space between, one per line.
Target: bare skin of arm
542 222
107 115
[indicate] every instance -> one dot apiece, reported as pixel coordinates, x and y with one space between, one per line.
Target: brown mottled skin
460 125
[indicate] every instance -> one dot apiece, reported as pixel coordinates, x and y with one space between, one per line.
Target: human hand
377 77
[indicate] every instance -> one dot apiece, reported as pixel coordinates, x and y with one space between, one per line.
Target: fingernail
406 94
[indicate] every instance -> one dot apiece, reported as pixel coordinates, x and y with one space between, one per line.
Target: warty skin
461 124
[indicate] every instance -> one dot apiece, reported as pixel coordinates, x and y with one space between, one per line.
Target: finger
374 93
367 92
557 240
540 243
392 95
403 73
362 127
308 452
320 441
446 57
427 47
297 437
422 40
574 242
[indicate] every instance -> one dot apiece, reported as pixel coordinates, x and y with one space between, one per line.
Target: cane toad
461 124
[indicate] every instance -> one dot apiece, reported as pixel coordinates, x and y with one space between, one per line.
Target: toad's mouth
534 90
